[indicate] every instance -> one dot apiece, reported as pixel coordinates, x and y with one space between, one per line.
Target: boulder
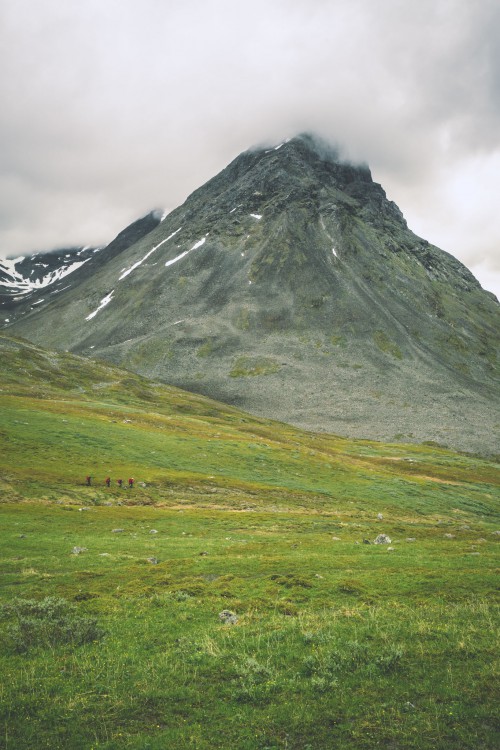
382 539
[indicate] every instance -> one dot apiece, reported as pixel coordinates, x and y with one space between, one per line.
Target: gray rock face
228 617
291 287
30 281
382 539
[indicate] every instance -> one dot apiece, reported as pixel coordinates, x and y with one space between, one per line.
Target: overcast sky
110 108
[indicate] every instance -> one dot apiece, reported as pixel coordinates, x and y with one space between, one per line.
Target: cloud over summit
113 108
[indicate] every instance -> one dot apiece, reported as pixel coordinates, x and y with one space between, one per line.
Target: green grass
338 643
252 366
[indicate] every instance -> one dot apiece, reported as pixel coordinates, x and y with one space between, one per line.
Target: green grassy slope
338 643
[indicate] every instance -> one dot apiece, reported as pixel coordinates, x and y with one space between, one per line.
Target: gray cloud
110 109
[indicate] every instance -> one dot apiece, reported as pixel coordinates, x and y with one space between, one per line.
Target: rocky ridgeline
290 286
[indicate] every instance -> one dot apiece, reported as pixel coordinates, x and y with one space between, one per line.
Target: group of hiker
107 482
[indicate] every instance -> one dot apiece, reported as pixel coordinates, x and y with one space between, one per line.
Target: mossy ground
338 643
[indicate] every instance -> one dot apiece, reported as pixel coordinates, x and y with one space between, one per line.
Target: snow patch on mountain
182 255
140 262
105 301
22 285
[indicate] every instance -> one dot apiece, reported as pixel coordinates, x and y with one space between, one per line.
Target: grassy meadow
112 600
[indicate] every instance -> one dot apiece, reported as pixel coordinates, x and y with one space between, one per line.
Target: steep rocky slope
31 280
290 286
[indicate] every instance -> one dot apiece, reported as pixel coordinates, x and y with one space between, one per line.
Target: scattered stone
152 560
117 531
411 539
496 533
203 554
391 549
481 539
153 531
228 617
108 504
317 575
465 527
382 539
449 536
78 550
336 539
366 541
22 536
142 484
474 553
104 554
80 509
380 516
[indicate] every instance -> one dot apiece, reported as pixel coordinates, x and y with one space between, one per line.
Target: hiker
119 482
107 481
88 480
130 483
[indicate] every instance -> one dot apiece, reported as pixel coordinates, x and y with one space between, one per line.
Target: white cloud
110 109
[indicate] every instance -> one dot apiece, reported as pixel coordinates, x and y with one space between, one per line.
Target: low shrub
53 621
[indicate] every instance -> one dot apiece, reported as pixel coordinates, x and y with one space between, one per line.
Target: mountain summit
290 286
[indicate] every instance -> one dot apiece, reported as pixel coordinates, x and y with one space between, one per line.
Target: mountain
291 287
27 281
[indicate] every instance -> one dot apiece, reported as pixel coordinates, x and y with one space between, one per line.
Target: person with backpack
130 483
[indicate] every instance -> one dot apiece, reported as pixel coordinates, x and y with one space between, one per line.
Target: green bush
47 623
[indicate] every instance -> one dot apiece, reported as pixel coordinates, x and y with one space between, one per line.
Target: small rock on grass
411 539
152 560
117 531
78 550
228 617
449 536
382 539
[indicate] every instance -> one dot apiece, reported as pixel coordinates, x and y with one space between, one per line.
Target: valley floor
334 643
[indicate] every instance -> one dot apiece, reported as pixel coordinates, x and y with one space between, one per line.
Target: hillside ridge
290 286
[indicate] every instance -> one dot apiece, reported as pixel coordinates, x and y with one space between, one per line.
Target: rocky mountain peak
290 285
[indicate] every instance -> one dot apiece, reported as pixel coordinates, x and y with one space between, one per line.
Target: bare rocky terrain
290 286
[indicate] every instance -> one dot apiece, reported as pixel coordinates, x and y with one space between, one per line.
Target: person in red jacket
88 480
107 481
131 483
119 482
